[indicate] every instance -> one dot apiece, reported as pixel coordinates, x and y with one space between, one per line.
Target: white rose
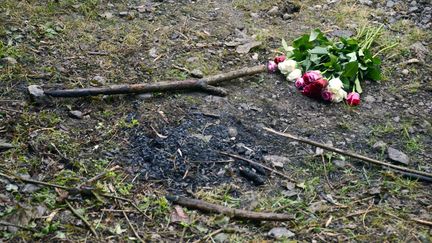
335 84
287 66
339 95
294 75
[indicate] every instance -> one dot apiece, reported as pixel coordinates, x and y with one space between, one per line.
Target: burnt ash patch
188 157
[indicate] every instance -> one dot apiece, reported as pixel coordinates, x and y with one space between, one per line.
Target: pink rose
272 67
353 99
312 76
327 95
299 83
279 59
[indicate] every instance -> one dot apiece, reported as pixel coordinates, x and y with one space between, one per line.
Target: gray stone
245 48
280 233
107 15
339 163
98 81
420 50
273 11
379 146
369 99
232 132
276 160
196 73
398 156
413 9
287 16
254 15
366 2
405 72
10 61
123 13
76 114
221 237
5 146
30 188
390 4
37 94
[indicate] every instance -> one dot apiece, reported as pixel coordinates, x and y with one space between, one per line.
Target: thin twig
230 212
97 177
209 235
18 178
16 226
131 226
117 210
403 170
325 172
10 110
86 222
257 164
424 222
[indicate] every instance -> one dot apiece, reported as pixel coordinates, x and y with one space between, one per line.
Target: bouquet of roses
328 70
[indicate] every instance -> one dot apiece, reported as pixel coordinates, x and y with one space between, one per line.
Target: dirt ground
169 143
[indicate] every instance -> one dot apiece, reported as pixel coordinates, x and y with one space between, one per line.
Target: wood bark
230 212
206 84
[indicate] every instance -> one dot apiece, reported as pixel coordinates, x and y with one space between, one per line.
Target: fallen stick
402 170
257 164
86 222
230 212
206 84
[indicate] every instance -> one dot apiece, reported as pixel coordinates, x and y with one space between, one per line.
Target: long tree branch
403 170
230 212
206 84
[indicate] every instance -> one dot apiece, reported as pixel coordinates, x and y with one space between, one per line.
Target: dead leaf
178 215
205 138
245 48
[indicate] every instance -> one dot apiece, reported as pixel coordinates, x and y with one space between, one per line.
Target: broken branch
206 84
257 164
230 212
402 170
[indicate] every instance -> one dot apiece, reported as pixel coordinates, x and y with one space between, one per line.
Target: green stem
385 49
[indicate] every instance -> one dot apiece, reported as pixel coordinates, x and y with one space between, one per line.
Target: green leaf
358 87
315 59
350 70
284 45
373 73
314 35
319 50
352 56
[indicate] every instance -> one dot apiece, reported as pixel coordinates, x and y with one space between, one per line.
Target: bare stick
403 170
97 177
257 164
16 226
131 226
86 222
230 212
18 178
205 84
424 222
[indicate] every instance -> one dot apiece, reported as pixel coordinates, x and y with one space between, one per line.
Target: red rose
312 76
315 89
353 99
279 59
